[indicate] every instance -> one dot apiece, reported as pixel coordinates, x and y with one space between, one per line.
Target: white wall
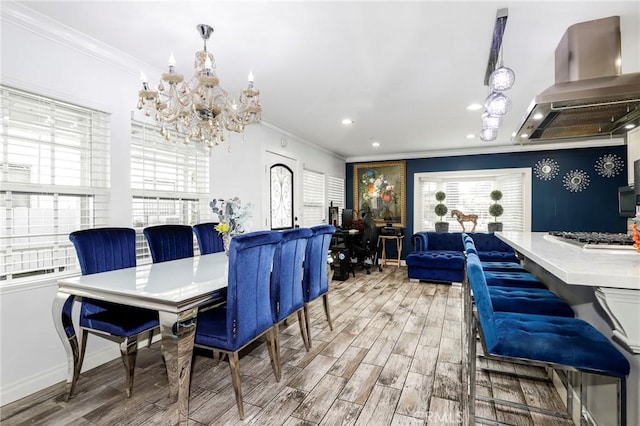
38 56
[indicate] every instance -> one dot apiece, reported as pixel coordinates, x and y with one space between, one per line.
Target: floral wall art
380 188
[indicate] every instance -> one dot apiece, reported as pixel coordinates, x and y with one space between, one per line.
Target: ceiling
403 71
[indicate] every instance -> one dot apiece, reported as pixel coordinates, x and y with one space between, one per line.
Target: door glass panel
281 197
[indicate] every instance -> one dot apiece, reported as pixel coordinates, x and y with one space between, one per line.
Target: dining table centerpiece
233 218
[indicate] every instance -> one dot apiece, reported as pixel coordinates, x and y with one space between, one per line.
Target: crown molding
28 19
499 149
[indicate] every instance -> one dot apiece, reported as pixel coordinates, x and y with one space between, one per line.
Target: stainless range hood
591 98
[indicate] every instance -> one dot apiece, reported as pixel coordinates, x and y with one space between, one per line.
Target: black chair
365 252
101 250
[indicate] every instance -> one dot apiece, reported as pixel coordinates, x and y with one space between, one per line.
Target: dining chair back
315 281
286 279
101 250
247 314
169 242
209 240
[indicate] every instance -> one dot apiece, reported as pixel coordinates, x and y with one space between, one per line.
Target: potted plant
496 211
440 210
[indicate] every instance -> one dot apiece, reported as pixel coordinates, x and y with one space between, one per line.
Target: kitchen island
611 276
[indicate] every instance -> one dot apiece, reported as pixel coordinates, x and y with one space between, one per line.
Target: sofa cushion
441 259
497 256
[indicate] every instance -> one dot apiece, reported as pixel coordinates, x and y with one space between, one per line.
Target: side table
383 240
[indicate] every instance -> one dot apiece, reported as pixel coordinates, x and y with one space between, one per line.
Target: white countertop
575 265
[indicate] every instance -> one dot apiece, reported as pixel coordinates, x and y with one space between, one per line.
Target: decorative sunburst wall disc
609 165
576 180
546 169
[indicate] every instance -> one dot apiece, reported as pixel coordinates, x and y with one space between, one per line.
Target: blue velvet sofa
439 256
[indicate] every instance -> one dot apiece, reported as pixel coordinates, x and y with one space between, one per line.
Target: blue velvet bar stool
101 250
247 314
567 344
502 267
169 242
209 240
316 272
286 281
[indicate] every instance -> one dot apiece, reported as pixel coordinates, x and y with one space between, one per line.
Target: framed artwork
380 189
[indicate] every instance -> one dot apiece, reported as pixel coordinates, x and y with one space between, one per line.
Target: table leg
178 335
61 311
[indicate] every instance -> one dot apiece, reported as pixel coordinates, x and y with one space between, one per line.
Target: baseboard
54 375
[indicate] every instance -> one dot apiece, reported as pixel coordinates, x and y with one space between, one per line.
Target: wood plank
360 384
416 393
395 371
342 413
348 362
380 406
316 404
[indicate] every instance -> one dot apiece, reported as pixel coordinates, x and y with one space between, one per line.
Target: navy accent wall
554 207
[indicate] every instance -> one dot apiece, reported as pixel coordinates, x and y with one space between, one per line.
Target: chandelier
199 108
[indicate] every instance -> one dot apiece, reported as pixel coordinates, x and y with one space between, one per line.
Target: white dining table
176 289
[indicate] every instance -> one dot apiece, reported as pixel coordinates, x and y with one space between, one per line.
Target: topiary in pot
496 211
441 210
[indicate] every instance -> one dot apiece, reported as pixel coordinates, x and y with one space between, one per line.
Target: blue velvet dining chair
568 344
286 281
169 242
209 240
101 250
315 282
247 314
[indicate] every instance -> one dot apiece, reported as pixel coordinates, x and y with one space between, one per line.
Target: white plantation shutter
313 194
55 180
169 182
336 195
469 192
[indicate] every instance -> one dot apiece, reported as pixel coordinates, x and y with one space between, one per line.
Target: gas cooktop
596 240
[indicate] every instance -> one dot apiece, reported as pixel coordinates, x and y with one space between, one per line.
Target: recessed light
629 126
375 144
513 135
347 121
474 107
538 116
524 135
471 136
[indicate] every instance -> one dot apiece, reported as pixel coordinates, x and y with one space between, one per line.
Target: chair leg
149 338
78 350
471 405
234 365
307 323
303 333
128 352
325 300
273 344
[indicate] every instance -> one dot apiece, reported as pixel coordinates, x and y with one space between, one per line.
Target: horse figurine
461 218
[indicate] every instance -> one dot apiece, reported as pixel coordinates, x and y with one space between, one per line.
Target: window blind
313 193
336 194
169 182
55 180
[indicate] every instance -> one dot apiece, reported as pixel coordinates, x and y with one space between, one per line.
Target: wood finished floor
393 358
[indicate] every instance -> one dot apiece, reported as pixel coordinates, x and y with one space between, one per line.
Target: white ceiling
403 71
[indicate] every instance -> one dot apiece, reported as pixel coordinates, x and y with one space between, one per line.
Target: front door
281 194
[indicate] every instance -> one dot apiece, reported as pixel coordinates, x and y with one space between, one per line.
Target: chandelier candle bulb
172 63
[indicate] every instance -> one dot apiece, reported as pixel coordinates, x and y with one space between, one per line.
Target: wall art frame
381 189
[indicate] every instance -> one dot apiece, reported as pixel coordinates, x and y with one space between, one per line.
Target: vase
226 242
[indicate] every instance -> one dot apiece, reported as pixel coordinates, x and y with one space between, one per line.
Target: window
468 191
313 194
169 182
55 180
336 195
